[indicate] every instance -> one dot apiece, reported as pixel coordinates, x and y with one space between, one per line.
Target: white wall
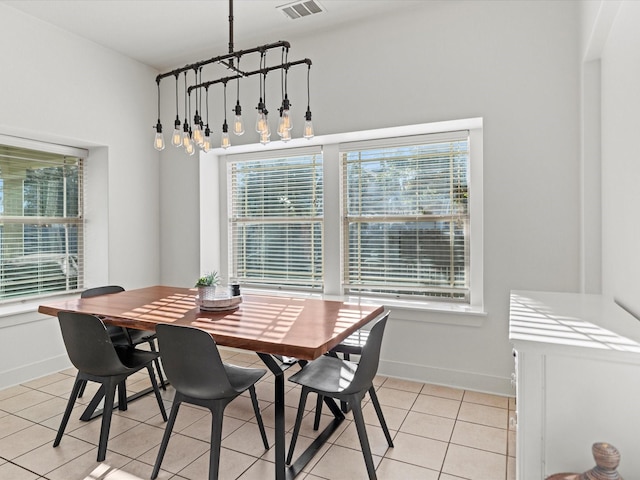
620 64
516 64
57 87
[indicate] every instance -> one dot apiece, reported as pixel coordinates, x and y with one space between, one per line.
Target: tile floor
440 433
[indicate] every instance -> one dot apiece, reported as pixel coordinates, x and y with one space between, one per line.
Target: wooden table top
280 325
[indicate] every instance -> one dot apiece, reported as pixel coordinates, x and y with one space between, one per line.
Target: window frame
81 155
214 232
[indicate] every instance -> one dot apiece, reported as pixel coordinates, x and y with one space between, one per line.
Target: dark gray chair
194 367
124 336
333 377
91 351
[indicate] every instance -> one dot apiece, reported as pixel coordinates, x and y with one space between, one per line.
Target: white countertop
572 320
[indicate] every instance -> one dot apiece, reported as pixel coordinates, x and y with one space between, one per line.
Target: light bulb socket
307 116
260 106
207 131
158 127
177 123
185 129
238 109
225 127
285 103
196 119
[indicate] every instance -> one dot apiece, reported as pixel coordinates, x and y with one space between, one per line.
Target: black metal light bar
283 66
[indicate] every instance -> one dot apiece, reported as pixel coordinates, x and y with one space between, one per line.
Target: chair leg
156 390
152 346
67 413
82 387
296 428
316 419
166 436
383 424
109 394
256 409
356 408
122 396
217 415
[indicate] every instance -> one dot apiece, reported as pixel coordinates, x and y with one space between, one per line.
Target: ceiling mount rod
231 28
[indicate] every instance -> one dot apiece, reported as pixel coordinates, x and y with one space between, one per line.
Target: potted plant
207 285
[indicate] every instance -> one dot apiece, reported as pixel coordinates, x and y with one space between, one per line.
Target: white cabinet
577 382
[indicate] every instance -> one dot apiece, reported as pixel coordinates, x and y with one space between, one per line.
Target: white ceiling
171 33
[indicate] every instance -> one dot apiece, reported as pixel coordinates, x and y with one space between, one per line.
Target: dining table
282 329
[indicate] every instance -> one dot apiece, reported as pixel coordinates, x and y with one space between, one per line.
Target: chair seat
133 358
241 378
326 375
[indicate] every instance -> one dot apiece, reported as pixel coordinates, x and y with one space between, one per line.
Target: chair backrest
88 344
370 358
192 362
94 292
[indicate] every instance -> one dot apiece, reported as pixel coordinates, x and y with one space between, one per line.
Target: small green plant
210 279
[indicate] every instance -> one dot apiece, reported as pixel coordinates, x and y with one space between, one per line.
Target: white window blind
405 216
41 226
276 219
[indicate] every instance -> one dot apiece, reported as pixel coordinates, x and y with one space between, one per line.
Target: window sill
411 310
9 312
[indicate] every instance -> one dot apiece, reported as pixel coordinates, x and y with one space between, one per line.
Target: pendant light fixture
158 142
231 63
206 144
238 124
176 138
308 125
224 141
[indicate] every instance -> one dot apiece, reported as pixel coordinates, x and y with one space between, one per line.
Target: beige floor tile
247 439
46 380
23 400
180 452
474 464
136 470
511 468
13 472
430 426
240 408
46 458
442 391
268 416
446 476
141 409
393 470
90 431
86 467
421 451
377 440
60 388
511 443
379 380
12 392
25 440
484 415
232 465
442 407
136 441
42 411
340 463
260 470
396 398
406 385
480 436
11 424
486 399
201 429
393 416
189 415
74 420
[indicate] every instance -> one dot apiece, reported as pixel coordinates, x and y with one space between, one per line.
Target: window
41 227
276 220
405 216
395 213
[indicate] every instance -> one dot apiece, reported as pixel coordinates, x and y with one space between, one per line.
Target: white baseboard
25 373
451 378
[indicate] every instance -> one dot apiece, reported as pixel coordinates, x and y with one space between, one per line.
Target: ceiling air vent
300 9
